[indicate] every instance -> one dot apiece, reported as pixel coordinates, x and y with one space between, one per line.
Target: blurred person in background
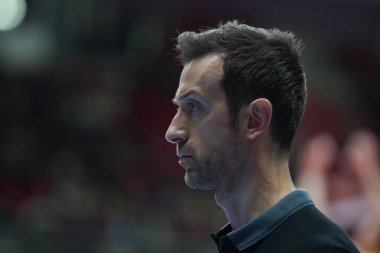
345 184
240 99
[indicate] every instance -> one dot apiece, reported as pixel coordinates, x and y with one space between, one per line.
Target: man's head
206 144
258 63
229 70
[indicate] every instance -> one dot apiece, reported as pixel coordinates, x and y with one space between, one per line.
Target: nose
177 132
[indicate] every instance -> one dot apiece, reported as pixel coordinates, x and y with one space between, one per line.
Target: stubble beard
218 170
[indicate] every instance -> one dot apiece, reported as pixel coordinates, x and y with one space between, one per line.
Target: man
240 99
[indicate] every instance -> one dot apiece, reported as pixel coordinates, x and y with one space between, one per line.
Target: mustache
181 148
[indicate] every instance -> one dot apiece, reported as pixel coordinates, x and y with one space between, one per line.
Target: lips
182 154
185 161
186 157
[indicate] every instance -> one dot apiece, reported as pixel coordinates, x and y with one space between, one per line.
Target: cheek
212 131
212 135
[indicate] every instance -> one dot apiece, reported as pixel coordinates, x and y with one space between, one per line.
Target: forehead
201 75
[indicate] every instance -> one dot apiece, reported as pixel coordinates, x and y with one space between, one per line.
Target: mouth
185 161
185 157
182 154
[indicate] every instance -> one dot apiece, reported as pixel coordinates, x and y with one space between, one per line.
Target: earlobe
259 117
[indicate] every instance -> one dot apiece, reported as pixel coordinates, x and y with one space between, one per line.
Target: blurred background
85 90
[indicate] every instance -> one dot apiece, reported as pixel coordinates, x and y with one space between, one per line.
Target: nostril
171 136
175 139
176 135
178 141
180 144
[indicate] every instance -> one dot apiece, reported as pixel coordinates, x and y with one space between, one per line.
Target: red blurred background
85 89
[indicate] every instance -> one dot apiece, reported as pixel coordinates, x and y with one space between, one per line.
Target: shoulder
319 233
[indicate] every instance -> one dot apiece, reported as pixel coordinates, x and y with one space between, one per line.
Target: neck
259 189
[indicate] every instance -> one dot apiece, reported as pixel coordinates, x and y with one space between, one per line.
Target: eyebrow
184 96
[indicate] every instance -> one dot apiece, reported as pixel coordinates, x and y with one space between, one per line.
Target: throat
245 204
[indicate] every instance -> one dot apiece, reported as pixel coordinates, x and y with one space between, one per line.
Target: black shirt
292 225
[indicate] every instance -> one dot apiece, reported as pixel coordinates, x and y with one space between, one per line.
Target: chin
197 183
200 187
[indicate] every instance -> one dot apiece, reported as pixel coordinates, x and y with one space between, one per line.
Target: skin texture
238 162
206 145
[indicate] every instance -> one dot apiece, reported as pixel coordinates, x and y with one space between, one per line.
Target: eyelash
191 107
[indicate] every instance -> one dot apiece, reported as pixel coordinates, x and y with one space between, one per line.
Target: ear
259 116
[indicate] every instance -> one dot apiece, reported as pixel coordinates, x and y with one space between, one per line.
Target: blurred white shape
28 49
12 12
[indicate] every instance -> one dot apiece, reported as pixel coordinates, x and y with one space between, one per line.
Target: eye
192 107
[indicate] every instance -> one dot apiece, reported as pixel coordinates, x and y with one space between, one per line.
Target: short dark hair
258 63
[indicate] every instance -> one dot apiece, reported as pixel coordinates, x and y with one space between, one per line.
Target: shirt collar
250 233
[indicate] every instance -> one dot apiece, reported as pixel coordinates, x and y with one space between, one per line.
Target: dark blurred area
85 89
